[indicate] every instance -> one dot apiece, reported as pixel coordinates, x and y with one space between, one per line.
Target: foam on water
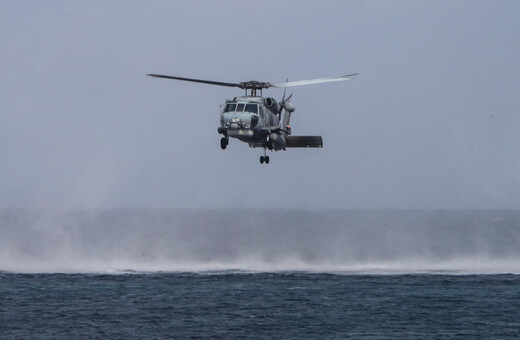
342 242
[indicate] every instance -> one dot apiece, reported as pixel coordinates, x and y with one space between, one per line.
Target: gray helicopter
257 120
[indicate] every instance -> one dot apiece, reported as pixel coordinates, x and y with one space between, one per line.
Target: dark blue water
259 305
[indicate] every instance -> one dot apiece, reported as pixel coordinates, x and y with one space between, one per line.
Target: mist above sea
345 241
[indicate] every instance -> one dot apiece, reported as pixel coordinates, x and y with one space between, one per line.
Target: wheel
262 159
266 159
223 143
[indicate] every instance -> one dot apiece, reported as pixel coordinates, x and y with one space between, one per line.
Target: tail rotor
282 103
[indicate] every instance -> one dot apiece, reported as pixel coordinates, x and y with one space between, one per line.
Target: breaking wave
350 241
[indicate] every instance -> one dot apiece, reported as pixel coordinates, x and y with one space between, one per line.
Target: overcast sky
432 121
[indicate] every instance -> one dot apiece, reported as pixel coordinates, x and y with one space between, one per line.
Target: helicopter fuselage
257 120
253 120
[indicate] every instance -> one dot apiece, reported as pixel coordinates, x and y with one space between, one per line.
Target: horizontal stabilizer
304 142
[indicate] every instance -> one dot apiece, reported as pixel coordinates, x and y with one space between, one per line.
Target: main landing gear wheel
223 143
264 159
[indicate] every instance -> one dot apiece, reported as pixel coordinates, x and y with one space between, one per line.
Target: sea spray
379 241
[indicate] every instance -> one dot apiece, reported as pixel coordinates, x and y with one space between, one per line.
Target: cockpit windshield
251 108
230 107
240 107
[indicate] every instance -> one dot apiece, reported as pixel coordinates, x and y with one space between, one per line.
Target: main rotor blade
196 80
315 81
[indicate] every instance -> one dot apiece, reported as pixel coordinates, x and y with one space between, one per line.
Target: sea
259 274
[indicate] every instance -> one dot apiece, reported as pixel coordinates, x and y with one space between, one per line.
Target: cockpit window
230 107
251 108
240 107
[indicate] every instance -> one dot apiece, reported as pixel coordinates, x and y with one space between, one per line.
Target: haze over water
349 241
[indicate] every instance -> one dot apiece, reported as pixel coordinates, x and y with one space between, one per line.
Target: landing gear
223 143
264 158
269 143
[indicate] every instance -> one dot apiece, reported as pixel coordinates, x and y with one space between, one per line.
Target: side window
240 107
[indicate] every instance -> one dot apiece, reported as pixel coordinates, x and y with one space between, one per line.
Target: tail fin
304 142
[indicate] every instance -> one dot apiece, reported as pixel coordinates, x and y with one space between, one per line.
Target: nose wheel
223 143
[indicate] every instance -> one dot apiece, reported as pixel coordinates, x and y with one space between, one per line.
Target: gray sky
431 122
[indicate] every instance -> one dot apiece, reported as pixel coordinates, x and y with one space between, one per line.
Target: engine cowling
272 104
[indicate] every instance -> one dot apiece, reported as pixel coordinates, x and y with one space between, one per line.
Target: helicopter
258 121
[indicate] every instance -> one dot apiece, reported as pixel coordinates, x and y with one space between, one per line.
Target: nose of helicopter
237 120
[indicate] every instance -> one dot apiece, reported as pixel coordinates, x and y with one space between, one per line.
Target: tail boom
304 142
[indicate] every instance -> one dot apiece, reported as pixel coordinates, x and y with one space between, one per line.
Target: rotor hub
254 85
